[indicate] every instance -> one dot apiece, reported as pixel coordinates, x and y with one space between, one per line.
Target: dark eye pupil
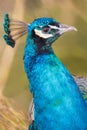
46 29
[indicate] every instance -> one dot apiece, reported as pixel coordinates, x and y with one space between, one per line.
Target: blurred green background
71 48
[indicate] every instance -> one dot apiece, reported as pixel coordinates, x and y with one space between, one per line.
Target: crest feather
14 29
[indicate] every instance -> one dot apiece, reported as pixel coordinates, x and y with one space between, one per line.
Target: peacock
57 99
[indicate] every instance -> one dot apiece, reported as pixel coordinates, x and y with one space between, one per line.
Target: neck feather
33 49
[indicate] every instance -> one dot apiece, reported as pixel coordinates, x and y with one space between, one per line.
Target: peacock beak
62 28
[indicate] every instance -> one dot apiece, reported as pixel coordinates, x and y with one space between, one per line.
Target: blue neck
54 90
34 47
31 51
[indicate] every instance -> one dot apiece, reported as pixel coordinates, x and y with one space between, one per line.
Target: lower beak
65 28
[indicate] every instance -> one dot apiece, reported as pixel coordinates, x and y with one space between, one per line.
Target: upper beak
65 28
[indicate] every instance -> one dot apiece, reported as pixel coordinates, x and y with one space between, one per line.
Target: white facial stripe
61 30
53 27
41 34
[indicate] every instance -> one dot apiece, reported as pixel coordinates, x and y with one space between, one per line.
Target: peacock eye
46 29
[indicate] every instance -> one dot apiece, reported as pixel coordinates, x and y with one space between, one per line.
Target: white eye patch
41 34
53 27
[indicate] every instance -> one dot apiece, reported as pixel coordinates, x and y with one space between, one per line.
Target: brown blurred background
71 48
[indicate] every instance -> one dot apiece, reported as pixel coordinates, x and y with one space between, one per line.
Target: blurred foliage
71 48
10 119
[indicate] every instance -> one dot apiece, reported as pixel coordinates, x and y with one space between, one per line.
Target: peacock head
44 31
47 30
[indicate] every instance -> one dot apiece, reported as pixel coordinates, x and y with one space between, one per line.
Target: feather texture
82 84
